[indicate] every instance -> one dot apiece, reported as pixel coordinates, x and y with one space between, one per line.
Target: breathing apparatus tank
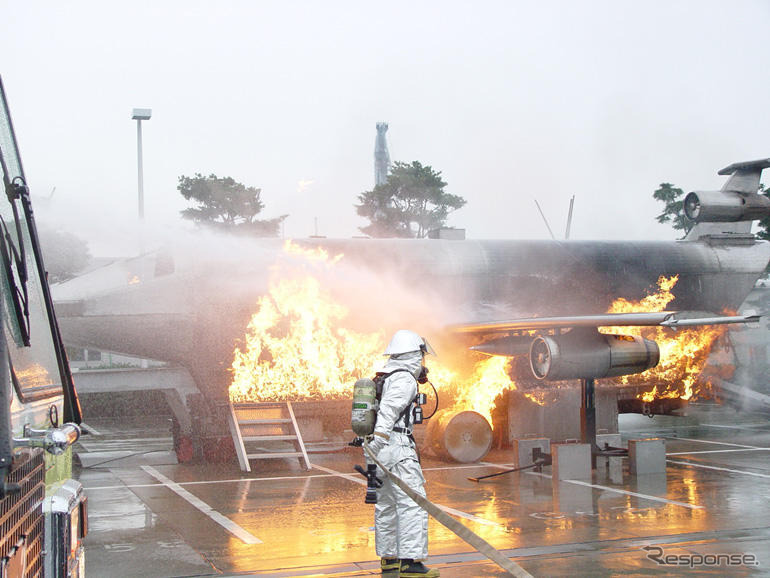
364 413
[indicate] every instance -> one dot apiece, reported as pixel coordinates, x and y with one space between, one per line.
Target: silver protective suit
401 526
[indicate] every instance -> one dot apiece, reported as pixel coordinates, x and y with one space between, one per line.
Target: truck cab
43 515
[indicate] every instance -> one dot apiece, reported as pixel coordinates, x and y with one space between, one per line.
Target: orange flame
295 348
489 378
299 345
652 302
683 353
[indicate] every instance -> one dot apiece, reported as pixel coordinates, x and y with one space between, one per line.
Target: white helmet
404 341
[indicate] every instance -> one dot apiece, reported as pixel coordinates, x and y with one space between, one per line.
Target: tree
64 254
674 207
227 204
409 204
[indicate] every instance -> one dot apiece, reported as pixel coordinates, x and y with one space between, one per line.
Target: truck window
31 347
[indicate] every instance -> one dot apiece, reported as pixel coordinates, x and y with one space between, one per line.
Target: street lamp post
139 115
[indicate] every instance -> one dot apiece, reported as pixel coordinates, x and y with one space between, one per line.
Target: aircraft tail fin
744 176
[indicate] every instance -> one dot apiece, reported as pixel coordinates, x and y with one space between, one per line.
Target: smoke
741 364
216 279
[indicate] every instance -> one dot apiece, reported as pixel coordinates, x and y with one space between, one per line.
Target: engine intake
590 355
725 206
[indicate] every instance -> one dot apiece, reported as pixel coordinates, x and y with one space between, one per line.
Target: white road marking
718 451
714 442
498 466
351 477
226 523
266 479
720 469
626 492
205 482
359 480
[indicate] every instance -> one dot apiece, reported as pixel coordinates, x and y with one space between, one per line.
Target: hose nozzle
372 482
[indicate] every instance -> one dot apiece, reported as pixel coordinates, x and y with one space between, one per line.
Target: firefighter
401 526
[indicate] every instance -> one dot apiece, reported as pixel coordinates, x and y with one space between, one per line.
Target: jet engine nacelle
725 206
590 355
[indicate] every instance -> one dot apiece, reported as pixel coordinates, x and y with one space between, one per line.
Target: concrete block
522 449
647 456
571 461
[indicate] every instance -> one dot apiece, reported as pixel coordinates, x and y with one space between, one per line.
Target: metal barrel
463 436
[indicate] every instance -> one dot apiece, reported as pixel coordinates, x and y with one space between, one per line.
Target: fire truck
42 508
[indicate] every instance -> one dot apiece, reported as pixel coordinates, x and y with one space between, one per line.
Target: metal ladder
265 423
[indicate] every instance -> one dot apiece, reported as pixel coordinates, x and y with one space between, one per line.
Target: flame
683 353
489 378
296 348
299 344
652 302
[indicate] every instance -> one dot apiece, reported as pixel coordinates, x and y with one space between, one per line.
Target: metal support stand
588 423
588 417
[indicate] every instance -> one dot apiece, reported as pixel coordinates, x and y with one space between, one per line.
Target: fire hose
456 527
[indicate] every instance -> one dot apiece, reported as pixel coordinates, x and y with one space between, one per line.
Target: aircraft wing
672 319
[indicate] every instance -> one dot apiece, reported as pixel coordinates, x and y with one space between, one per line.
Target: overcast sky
511 101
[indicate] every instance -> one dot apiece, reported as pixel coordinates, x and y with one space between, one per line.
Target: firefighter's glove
375 442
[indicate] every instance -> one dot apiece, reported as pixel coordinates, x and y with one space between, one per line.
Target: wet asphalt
708 514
